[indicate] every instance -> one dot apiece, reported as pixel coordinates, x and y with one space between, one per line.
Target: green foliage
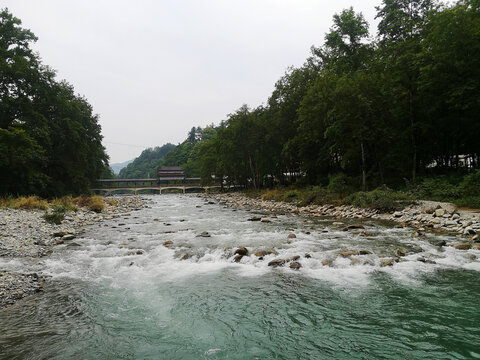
50 141
382 199
56 215
146 165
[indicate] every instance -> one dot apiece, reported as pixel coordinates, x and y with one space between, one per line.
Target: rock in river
276 262
241 251
295 265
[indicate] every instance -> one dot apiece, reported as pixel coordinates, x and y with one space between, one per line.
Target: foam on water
108 251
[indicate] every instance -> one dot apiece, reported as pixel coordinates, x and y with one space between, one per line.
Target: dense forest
391 109
50 141
381 111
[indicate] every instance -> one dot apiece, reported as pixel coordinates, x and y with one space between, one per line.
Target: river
105 301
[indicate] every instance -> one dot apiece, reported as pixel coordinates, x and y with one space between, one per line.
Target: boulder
295 265
439 243
326 262
364 252
277 262
255 218
348 253
399 252
68 237
261 253
307 256
237 258
440 212
266 221
387 262
462 246
292 236
59 234
241 251
353 227
168 243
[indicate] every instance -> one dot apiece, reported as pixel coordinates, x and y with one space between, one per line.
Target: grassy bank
463 191
67 203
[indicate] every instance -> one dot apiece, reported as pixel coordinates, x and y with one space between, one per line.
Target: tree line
374 110
50 139
381 110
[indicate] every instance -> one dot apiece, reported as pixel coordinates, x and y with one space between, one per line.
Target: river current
122 294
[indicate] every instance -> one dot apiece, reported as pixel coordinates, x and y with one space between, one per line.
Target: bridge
110 186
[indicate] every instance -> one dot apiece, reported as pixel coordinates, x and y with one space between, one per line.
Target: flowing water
106 302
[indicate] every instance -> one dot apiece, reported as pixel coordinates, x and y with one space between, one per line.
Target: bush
25 203
290 195
274 194
340 183
66 202
56 216
380 199
470 186
96 204
92 203
438 188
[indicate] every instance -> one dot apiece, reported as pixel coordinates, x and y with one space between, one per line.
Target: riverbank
419 215
25 234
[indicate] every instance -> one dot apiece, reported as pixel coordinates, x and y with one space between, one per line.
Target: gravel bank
422 216
25 234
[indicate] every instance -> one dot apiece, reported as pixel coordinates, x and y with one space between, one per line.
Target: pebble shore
421 215
25 234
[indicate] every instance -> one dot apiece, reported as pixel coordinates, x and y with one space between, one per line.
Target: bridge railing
154 183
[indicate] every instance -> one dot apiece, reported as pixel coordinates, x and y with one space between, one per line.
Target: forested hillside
145 166
50 140
185 154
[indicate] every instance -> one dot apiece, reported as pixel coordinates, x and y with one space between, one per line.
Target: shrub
438 188
380 199
340 183
56 216
274 194
27 203
111 202
96 203
290 195
92 203
470 186
66 202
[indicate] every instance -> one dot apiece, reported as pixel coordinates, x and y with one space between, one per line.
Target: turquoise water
104 303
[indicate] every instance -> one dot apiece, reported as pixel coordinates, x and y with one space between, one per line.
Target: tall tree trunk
364 175
254 176
414 144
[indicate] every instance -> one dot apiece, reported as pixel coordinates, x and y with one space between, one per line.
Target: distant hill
145 166
119 166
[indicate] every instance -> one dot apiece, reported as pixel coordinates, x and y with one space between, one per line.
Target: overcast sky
152 69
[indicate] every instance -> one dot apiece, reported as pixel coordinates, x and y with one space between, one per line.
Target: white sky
152 69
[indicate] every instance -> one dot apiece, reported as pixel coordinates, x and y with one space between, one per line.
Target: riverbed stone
291 236
241 251
364 252
295 265
464 246
387 262
277 262
168 243
399 252
237 258
348 253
